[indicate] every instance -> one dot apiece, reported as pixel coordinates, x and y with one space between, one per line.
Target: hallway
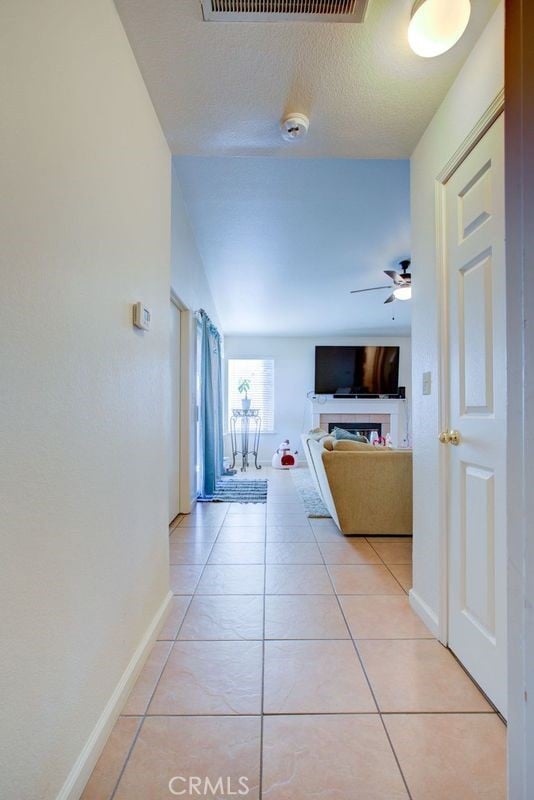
291 660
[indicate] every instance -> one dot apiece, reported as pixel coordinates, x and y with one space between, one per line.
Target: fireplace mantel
388 407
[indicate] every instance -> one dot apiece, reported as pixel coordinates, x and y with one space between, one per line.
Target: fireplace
360 415
363 428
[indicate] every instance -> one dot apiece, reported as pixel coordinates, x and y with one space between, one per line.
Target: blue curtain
211 407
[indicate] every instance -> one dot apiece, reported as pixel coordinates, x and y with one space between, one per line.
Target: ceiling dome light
436 25
403 292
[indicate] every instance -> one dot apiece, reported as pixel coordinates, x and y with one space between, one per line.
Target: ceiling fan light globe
436 25
403 292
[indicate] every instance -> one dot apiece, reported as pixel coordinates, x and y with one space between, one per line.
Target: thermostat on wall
141 316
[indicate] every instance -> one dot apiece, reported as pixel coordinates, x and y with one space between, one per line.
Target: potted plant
243 388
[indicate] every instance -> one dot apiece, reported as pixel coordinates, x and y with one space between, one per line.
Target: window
260 373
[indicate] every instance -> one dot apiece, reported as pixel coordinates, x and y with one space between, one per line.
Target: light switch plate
427 383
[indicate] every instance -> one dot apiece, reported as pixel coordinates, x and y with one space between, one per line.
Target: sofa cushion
348 444
328 442
341 433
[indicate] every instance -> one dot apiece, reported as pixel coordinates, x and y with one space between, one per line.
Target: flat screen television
356 370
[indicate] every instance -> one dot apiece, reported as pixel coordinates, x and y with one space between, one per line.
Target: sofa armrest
372 492
313 450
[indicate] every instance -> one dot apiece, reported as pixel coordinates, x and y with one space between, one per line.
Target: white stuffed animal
284 458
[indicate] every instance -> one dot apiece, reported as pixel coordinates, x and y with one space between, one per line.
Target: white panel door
477 411
174 414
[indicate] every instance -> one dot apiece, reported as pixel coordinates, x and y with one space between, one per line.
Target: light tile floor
291 658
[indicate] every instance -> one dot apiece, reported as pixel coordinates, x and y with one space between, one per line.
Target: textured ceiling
221 88
283 241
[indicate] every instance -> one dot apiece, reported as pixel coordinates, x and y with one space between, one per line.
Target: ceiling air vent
284 10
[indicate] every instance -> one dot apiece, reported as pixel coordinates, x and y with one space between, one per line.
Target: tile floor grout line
395 756
145 714
212 545
272 594
406 591
261 716
387 566
369 684
300 638
128 754
320 713
354 642
292 594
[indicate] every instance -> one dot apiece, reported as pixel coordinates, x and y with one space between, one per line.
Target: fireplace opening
362 428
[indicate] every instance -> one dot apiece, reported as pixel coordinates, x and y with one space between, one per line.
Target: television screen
356 370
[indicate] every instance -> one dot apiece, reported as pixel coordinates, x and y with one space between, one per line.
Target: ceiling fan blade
390 299
372 289
395 277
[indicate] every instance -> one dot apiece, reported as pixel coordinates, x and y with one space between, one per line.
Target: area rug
240 490
313 505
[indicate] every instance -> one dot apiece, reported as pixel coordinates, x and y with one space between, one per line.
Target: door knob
454 437
450 437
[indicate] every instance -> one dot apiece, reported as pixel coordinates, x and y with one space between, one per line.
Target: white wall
188 278
294 368
478 83
189 283
85 209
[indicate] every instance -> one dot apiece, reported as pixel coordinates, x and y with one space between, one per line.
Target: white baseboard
425 612
187 504
85 763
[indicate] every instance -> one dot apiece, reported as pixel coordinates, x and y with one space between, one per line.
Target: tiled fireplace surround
385 411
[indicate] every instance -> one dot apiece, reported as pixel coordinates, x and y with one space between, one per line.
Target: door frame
519 166
187 410
178 306
491 114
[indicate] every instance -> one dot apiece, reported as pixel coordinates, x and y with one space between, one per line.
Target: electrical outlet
427 383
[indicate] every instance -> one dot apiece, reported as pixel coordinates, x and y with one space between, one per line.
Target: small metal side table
245 425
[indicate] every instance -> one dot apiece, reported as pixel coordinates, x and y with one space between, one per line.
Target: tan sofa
367 490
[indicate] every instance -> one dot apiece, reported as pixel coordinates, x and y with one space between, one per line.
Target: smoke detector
294 126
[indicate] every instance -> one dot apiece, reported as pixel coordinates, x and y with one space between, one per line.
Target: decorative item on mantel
380 441
243 388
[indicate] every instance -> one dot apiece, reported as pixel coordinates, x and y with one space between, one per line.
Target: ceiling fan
402 283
